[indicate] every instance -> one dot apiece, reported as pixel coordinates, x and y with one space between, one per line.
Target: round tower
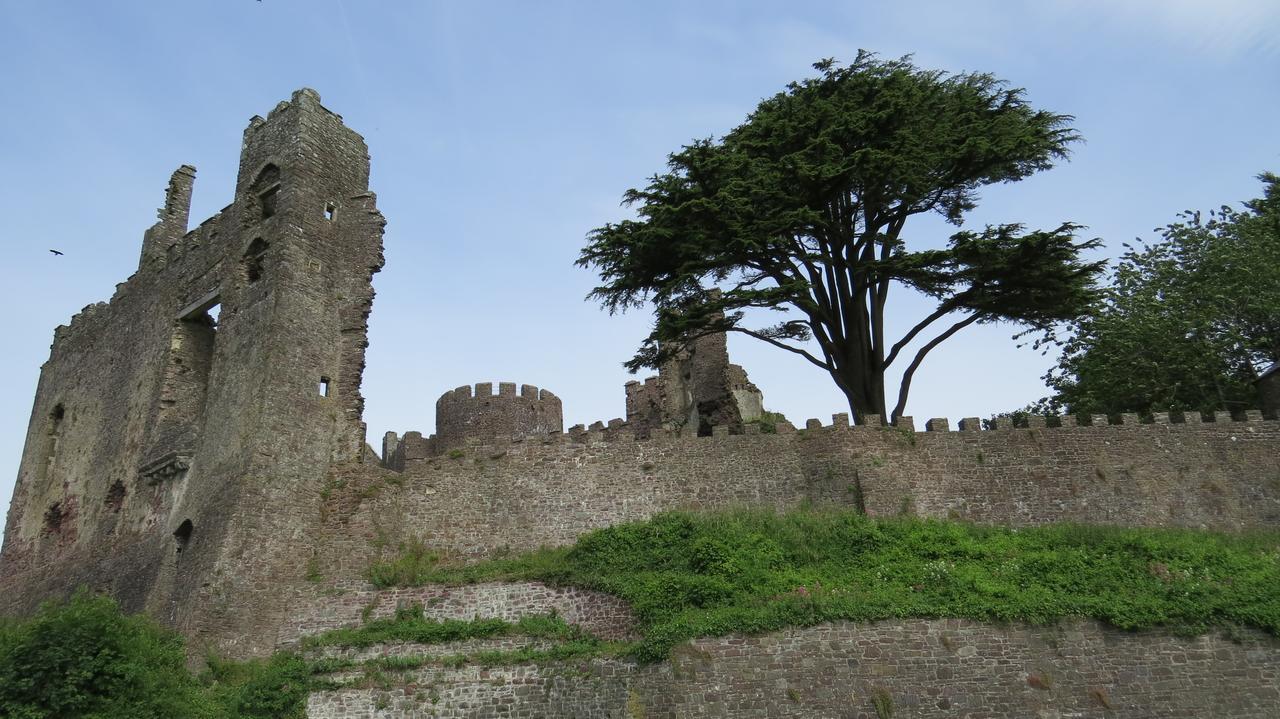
483 416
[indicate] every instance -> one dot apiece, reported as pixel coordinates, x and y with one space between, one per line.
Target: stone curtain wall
517 496
912 668
1220 475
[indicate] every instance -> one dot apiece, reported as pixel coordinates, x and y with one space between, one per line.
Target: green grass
768 421
410 626
690 575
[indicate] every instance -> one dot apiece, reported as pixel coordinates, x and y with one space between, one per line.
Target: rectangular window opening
185 384
329 211
323 387
269 202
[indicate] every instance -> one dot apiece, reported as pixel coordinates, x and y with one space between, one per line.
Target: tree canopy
1188 321
802 209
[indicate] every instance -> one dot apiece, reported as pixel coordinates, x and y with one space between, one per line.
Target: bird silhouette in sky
55 252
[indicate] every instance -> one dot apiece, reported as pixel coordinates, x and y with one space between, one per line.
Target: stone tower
694 391
175 424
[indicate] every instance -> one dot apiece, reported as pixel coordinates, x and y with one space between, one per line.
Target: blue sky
501 133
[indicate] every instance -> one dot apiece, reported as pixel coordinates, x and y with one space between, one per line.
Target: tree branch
943 309
765 338
915 363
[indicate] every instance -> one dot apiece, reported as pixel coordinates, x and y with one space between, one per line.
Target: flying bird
55 252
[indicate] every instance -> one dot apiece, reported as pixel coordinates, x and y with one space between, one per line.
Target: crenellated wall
1222 475
462 415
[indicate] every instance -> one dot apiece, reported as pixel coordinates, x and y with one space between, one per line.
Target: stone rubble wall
437 652
924 668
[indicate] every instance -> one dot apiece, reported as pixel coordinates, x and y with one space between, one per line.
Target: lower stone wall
912 668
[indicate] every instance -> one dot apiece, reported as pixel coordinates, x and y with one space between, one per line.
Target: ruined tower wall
179 434
130 378
644 405
694 391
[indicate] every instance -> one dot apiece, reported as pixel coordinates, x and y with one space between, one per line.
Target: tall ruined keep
222 377
196 449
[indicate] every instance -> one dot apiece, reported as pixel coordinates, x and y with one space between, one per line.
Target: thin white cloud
1215 27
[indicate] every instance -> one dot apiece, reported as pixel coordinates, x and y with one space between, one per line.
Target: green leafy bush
83 658
274 688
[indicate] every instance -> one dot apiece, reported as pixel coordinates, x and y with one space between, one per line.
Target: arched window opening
263 193
53 518
255 259
182 535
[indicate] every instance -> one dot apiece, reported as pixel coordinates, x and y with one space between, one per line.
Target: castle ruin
197 450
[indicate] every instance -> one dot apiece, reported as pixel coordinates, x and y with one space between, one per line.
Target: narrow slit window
329 211
323 387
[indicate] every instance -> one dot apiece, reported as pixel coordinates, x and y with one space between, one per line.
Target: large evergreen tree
802 209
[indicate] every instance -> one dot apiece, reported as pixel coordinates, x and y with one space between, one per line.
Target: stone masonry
919 668
197 450
220 379
694 391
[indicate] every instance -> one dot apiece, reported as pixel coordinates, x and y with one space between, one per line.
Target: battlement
413 446
464 415
505 389
484 495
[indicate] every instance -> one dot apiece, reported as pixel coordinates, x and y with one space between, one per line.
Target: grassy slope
691 575
686 576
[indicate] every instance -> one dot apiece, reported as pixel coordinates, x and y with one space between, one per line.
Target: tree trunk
859 387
